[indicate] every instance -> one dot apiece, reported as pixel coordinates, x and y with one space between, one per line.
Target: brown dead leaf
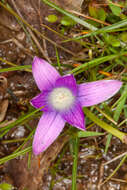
69 4
3 109
3 84
3 103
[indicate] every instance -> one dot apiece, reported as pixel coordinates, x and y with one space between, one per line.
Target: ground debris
32 178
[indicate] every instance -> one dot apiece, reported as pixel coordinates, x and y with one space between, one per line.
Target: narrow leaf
14 155
104 125
88 134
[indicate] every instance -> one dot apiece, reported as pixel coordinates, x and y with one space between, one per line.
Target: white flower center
61 98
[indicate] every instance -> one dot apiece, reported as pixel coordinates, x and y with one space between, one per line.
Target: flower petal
42 100
67 81
92 93
49 127
75 116
44 74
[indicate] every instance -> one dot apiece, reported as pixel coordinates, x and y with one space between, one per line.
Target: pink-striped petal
92 93
67 81
48 129
41 100
75 116
44 74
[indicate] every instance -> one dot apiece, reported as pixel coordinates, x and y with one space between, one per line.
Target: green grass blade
95 62
14 155
18 121
121 104
25 141
103 30
88 134
109 137
104 125
125 113
58 60
75 162
116 169
16 68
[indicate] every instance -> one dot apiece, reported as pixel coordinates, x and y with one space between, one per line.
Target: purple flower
62 100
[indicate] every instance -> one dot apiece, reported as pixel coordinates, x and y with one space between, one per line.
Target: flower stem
75 162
